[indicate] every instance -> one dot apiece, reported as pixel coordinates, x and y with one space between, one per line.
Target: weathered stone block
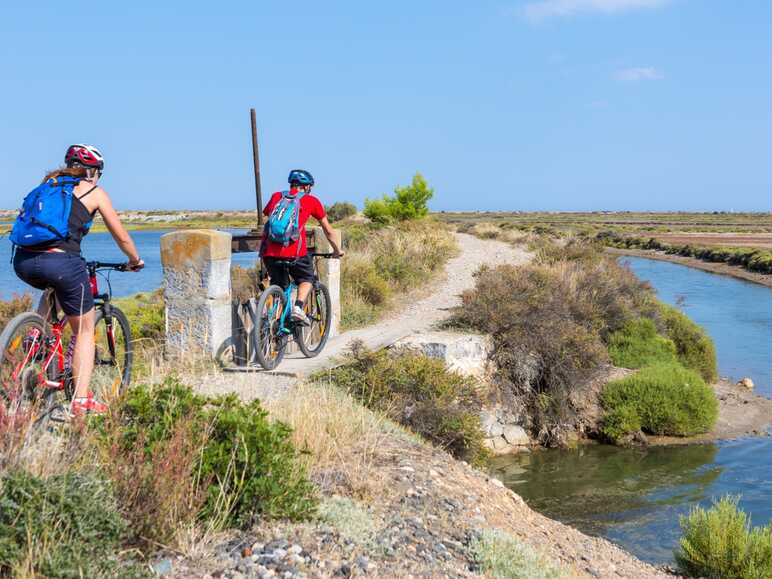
197 290
464 353
516 435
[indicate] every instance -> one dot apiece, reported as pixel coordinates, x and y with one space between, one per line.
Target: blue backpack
45 213
284 222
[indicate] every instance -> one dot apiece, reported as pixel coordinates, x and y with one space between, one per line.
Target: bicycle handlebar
107 265
324 255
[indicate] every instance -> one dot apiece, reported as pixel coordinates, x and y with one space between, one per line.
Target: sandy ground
719 268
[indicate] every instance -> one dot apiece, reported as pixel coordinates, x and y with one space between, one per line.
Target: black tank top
78 225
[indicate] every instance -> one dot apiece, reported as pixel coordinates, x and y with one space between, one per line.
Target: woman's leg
83 356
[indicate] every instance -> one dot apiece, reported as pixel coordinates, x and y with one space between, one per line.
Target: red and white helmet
84 155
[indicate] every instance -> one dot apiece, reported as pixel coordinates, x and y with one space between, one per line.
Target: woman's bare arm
116 228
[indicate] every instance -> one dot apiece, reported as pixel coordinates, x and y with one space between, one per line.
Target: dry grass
342 438
383 263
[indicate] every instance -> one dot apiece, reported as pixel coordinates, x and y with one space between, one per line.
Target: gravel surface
422 524
417 315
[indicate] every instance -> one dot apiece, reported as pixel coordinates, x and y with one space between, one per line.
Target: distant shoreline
718 268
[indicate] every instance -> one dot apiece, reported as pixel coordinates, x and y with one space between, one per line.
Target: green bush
666 399
502 556
694 347
407 203
548 322
248 463
420 393
719 542
637 344
63 526
340 210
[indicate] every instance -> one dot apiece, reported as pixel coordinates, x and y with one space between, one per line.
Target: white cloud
637 74
541 9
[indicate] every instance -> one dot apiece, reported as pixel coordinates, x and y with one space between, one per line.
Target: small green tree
341 210
407 203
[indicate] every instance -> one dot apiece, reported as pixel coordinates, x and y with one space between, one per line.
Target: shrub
407 203
420 393
666 399
243 464
341 210
13 307
502 556
719 542
64 526
350 519
548 322
383 260
694 347
637 344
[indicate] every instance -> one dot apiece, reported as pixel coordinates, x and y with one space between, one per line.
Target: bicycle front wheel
269 335
23 372
113 355
312 339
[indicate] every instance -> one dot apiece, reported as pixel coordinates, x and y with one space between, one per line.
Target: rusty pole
256 159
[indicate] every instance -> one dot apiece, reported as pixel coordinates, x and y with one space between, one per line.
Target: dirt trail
415 316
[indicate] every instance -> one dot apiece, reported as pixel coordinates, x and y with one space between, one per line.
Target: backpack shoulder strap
87 193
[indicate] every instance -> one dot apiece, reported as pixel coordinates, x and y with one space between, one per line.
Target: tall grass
382 263
340 438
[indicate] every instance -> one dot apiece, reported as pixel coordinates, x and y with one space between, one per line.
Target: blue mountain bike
275 327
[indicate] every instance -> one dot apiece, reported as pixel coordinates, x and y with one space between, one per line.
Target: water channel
634 497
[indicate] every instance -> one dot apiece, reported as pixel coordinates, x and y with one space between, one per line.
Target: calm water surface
100 247
634 497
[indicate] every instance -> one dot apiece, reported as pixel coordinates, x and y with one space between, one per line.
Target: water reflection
599 485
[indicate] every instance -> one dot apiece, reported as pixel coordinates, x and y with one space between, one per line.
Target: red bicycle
35 377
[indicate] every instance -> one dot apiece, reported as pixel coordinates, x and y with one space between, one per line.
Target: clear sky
510 104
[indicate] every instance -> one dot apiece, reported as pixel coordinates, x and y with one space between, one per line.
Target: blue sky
543 104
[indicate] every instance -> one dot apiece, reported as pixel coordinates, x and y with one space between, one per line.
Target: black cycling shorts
64 272
301 269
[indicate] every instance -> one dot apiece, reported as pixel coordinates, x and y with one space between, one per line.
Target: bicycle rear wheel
270 340
312 339
24 395
113 356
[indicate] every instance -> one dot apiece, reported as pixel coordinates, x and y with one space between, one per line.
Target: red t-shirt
310 206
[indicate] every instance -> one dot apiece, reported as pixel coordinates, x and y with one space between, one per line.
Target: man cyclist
302 268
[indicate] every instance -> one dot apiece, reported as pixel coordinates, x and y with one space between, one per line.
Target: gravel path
419 315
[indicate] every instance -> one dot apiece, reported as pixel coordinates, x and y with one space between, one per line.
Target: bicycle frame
54 349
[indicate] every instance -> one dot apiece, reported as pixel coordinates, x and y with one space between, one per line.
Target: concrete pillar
197 290
329 274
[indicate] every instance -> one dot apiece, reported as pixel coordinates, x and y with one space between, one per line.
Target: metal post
256 158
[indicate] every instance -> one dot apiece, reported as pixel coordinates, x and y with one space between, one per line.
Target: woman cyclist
59 265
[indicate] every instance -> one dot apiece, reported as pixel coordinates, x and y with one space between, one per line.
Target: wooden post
256 161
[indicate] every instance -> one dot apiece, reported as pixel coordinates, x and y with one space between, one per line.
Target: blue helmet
300 177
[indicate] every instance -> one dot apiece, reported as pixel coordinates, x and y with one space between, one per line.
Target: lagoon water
100 247
635 496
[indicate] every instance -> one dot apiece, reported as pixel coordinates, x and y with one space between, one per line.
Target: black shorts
64 272
301 269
